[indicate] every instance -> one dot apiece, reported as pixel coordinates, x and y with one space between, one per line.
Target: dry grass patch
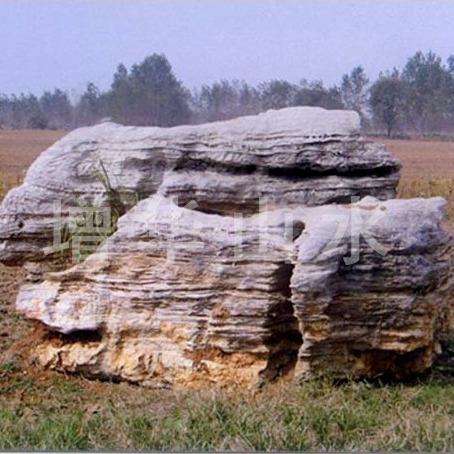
428 171
431 187
423 159
18 149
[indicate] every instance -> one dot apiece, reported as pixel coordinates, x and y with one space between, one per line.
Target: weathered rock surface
276 273
292 157
178 296
380 299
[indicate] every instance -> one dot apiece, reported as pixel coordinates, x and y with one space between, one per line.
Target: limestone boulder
290 157
178 297
246 251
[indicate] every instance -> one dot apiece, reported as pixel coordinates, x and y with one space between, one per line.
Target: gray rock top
290 157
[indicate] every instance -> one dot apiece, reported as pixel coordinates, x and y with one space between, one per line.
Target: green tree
56 109
387 100
315 94
4 111
89 109
430 91
249 99
278 94
224 100
354 90
218 101
120 98
24 111
158 98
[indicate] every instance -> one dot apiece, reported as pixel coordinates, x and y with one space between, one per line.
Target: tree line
419 99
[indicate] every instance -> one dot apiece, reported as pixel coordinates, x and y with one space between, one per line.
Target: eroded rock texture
292 157
380 299
246 261
178 292
181 296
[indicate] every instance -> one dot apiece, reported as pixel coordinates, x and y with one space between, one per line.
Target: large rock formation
179 296
197 285
292 157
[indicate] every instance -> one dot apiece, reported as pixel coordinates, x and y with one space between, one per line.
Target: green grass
63 413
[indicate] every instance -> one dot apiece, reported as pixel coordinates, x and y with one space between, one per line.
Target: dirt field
18 149
427 171
423 159
44 410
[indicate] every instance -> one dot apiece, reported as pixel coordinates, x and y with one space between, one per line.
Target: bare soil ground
45 410
423 159
18 149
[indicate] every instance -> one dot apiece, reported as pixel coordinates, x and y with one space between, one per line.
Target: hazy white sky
65 44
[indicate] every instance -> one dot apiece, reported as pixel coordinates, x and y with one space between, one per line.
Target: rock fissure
284 339
81 337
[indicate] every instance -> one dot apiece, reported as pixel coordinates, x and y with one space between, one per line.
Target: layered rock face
176 294
247 260
379 299
179 297
291 157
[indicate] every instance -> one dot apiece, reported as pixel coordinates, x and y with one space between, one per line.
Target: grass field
44 410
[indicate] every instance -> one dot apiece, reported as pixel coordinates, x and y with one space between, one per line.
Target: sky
66 44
